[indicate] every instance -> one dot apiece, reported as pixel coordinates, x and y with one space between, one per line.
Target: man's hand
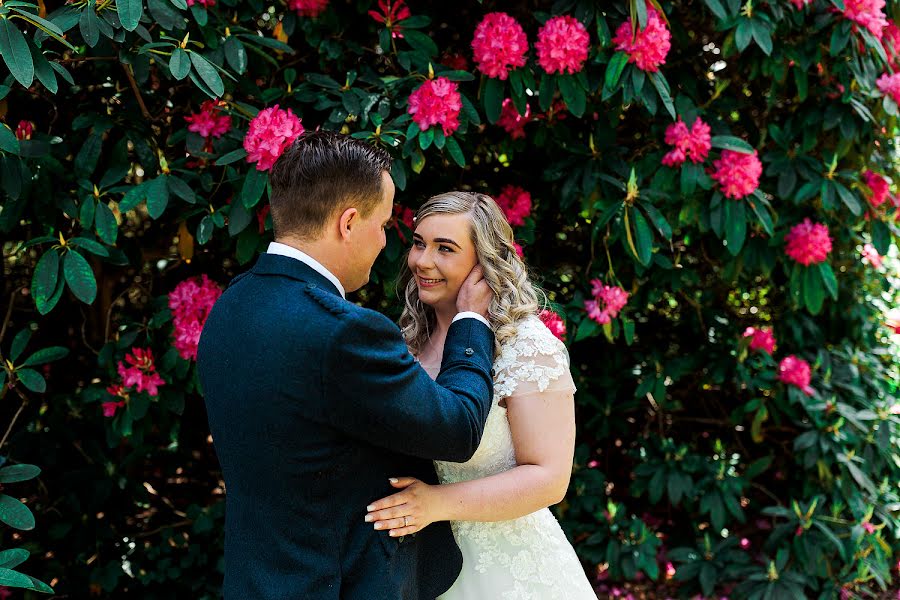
475 295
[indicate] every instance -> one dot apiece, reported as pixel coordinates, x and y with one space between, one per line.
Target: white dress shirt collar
285 250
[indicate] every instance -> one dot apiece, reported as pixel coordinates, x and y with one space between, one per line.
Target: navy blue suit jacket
313 403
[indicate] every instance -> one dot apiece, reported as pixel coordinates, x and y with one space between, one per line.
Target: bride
512 546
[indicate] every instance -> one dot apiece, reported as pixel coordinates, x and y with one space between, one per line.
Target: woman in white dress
513 548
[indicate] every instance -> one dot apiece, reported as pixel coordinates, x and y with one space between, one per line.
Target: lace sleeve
534 362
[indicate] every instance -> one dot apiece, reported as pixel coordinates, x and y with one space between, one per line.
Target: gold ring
405 524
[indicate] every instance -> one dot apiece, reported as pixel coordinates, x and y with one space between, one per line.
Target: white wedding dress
528 558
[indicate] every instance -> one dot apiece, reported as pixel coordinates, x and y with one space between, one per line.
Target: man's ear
349 219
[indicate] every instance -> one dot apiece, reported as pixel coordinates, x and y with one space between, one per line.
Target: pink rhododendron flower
499 45
520 251
868 14
391 15
436 102
737 173
868 527
761 339
141 373
795 371
515 203
891 42
647 49
512 121
308 8
24 130
808 243
190 302
878 185
563 44
554 323
209 122
607 302
693 143
204 3
269 133
890 86
595 313
870 254
110 407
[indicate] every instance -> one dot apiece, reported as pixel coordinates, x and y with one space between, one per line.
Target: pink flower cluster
647 49
879 186
392 15
513 122
870 254
737 173
436 102
209 122
110 408
808 243
515 203
24 130
868 14
563 44
269 133
890 86
554 323
761 339
308 8
795 371
140 374
499 45
190 302
693 143
607 302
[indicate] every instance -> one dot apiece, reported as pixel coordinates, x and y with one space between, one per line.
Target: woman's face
441 258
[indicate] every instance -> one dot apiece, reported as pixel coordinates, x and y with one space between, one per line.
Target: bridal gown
528 558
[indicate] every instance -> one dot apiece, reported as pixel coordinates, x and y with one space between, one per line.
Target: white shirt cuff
470 315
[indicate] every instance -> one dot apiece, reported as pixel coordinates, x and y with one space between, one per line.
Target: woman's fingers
388 513
404 531
402 482
388 502
392 524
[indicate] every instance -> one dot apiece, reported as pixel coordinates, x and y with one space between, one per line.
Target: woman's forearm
509 495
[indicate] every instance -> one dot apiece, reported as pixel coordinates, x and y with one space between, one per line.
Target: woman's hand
409 511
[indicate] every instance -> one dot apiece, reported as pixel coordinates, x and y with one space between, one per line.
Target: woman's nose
425 260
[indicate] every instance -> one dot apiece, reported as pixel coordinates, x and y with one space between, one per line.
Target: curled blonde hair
515 297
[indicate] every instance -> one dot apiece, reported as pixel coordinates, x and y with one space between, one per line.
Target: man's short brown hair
320 173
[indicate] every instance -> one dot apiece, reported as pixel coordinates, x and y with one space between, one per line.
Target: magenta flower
190 303
607 303
795 371
209 122
879 186
693 143
554 323
515 203
520 251
24 130
436 102
203 3
563 44
737 173
761 339
808 243
800 4
890 86
648 49
391 15
110 407
870 254
269 133
308 8
868 14
499 45
595 313
512 121
891 42
141 372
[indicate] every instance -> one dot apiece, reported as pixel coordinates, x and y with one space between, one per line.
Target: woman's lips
429 283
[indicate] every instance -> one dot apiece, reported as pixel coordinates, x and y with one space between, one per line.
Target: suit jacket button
469 352
310 286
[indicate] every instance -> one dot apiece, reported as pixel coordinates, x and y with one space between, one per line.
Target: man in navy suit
314 402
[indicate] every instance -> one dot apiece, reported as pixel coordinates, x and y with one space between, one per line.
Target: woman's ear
349 219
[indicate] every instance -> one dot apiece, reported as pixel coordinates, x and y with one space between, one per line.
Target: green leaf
729 142
762 214
2 378
157 192
743 34
735 225
8 141
455 152
86 160
33 380
180 188
254 184
643 238
426 138
208 74
813 290
15 53
79 276
762 36
15 514
572 94
130 12
19 343
42 69
39 586
239 218
717 9
849 199
89 25
665 94
230 157
43 282
43 356
13 557
107 228
828 279
493 98
881 236
658 220
421 42
614 70
205 230
547 90
180 63
236 54
12 474
10 578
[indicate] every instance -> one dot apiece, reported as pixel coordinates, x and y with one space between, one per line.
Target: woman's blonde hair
515 297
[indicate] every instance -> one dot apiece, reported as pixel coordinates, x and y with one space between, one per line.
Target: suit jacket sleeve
376 391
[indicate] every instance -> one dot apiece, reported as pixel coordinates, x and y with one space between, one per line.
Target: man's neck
319 251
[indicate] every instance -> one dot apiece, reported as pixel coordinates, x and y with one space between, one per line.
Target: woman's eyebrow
438 240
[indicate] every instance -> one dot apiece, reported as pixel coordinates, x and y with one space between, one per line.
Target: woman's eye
418 244
447 248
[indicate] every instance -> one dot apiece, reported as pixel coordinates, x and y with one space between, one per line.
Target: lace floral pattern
528 558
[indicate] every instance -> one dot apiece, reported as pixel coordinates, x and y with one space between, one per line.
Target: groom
314 402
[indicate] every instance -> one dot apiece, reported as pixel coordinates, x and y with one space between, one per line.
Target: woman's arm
543 433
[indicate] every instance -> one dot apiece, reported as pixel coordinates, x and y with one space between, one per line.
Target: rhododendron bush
706 190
